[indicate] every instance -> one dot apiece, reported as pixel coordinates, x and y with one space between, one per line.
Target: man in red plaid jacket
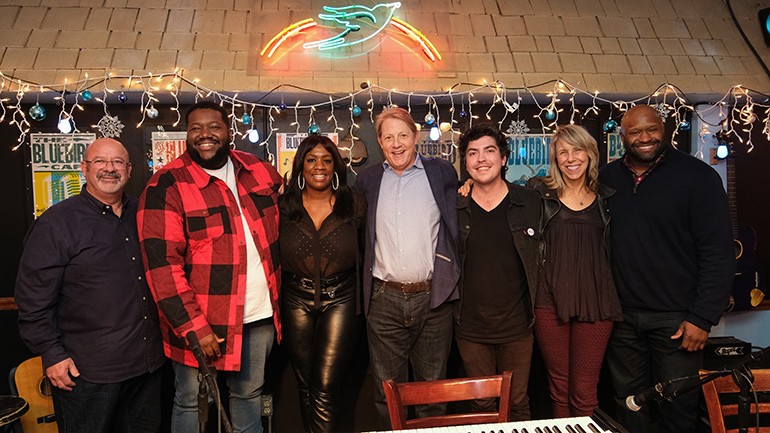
208 226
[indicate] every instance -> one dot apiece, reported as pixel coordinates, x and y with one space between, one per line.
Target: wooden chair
717 394
401 395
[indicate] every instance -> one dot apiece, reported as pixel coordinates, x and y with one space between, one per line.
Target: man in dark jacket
493 327
673 263
410 262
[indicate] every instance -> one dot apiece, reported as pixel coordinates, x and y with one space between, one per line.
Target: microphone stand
742 377
206 380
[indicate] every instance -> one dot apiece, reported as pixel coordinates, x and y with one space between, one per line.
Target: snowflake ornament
110 126
663 109
517 127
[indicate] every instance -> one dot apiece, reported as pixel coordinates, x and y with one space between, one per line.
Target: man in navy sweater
673 263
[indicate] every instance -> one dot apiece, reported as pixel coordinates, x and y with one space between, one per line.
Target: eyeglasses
101 163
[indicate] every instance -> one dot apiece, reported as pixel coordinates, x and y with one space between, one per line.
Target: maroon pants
573 354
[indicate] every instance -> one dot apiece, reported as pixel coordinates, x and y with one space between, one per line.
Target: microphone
195 347
635 402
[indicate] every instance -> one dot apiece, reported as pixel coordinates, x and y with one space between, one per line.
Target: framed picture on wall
55 163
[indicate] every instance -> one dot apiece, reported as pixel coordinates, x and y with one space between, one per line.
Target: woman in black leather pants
320 235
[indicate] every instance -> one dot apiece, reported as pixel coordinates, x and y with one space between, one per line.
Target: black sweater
672 240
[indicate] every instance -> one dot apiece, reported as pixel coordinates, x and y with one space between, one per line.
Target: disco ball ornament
122 97
37 112
246 119
610 126
282 106
550 114
463 114
86 95
356 110
152 113
684 125
313 129
430 119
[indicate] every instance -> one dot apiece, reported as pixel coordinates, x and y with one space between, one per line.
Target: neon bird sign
346 18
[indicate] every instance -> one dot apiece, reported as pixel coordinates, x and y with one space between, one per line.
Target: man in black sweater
673 263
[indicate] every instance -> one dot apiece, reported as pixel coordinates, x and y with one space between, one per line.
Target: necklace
582 193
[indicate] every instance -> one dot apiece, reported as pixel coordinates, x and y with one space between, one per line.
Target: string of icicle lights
738 110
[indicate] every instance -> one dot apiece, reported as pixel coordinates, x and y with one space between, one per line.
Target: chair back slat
399 396
714 393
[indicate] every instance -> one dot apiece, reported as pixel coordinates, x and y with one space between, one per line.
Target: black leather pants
320 339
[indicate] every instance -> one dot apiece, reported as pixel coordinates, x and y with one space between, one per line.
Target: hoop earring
301 182
337 179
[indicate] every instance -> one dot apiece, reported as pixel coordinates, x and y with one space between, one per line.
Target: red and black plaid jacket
194 251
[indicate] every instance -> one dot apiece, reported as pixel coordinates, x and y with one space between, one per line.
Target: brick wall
624 46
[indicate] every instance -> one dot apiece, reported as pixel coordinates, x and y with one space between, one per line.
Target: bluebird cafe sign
528 158
56 167
529 155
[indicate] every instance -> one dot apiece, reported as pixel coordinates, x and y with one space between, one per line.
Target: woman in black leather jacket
576 301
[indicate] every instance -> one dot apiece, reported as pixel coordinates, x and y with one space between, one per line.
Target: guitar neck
732 199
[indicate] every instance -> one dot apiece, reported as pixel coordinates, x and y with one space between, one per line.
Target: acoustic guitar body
34 387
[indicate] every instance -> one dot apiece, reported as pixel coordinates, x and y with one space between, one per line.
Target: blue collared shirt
407 226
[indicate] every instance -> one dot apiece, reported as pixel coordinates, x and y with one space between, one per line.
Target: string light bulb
435 133
253 135
65 123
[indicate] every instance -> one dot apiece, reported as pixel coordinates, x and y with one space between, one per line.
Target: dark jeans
321 341
403 330
490 359
130 406
245 385
640 354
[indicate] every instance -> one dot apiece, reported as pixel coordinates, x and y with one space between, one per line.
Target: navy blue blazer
446 267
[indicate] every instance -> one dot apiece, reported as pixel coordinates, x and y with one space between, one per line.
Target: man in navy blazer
410 264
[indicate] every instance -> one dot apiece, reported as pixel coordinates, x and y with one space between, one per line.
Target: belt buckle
307 283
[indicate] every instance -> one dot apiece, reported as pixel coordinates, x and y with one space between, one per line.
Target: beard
217 161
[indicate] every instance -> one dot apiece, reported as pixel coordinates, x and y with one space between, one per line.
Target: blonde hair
396 113
576 136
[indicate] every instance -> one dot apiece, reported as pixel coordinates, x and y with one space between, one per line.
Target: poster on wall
614 147
442 148
55 164
287 144
529 157
166 147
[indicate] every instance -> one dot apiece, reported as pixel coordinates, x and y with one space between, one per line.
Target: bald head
636 111
102 144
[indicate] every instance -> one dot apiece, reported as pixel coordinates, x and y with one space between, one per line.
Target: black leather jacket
551 206
524 215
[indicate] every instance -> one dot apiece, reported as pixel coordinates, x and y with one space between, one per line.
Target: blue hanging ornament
282 106
37 112
550 115
313 129
122 97
86 95
463 114
246 119
684 125
430 119
610 126
356 110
